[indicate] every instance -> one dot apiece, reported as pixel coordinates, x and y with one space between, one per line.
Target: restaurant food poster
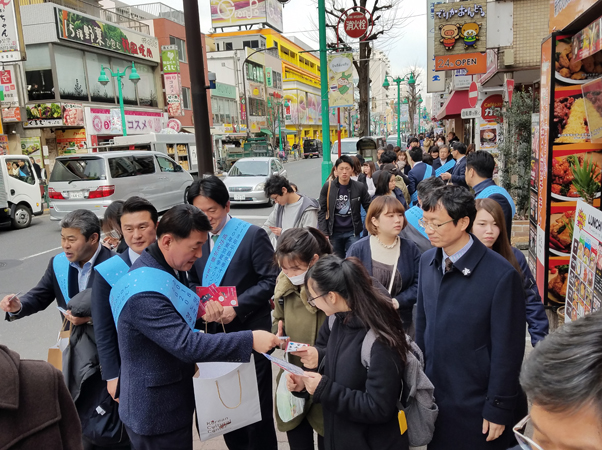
3 144
302 107
340 80
582 277
44 115
73 114
91 31
488 135
8 87
71 141
31 146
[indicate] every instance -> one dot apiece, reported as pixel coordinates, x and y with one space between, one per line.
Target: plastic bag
287 404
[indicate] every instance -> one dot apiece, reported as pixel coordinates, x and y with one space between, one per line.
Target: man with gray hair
562 378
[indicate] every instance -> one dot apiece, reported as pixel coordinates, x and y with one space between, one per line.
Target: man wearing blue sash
457 175
445 162
479 172
241 255
138 224
68 274
155 314
413 230
420 171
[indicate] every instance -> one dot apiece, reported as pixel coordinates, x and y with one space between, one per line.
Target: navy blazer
470 324
437 164
536 314
503 201
407 265
104 325
416 175
458 173
47 289
158 355
253 272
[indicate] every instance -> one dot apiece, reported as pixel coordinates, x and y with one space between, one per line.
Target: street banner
11 36
172 80
340 80
170 58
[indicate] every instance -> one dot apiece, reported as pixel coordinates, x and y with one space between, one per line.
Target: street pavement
26 253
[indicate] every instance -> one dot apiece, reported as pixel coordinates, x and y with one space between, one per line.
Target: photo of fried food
557 284
561 231
575 176
571 121
571 70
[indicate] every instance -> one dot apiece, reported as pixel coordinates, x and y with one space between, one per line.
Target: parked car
20 191
393 141
350 146
246 179
93 181
311 148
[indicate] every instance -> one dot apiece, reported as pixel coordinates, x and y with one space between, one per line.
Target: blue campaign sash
60 264
112 269
223 251
491 190
427 174
413 216
147 279
445 167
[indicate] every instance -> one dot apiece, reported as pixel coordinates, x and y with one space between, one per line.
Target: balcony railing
151 11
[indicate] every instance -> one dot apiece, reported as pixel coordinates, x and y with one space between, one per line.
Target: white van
366 146
20 191
93 181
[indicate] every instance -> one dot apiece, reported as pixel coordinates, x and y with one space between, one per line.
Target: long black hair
382 183
301 244
349 279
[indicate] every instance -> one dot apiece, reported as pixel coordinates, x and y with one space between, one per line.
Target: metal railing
94 9
151 11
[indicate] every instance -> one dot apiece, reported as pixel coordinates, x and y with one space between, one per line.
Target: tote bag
226 397
55 353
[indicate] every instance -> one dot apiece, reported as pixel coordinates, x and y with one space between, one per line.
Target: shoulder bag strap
328 200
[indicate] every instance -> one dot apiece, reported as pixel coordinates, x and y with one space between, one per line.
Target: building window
229 46
256 107
181 47
277 80
254 72
147 90
38 73
186 104
98 92
70 73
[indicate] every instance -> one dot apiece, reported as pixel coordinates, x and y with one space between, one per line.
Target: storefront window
98 92
70 73
128 88
147 91
38 73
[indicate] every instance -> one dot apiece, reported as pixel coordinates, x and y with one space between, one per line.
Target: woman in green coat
298 249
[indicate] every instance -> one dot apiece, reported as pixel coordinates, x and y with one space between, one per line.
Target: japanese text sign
170 58
460 27
136 122
340 79
8 87
474 63
10 34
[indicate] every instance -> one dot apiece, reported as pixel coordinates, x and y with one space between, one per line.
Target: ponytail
301 244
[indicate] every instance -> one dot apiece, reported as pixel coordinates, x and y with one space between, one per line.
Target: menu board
582 278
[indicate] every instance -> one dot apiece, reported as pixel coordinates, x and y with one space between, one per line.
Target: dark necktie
449 265
214 238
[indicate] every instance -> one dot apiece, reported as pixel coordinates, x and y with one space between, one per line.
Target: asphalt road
25 254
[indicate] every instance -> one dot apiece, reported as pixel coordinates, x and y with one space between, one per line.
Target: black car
311 148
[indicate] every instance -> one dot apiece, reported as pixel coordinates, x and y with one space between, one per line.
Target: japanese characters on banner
44 115
72 140
172 79
340 80
11 45
583 276
532 259
87 30
170 59
73 114
8 87
99 121
435 82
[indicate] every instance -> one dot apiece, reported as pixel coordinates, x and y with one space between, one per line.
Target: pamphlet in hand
295 347
285 365
226 295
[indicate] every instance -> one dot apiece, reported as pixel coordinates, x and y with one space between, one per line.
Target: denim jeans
342 241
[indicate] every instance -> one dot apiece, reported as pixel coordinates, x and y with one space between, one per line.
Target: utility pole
198 88
326 162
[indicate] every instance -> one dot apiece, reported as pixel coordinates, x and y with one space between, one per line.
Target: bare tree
412 95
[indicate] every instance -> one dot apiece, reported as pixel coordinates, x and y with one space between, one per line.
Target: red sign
174 124
474 63
473 94
491 109
356 25
243 109
509 91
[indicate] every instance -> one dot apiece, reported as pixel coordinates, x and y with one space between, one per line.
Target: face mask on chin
297 280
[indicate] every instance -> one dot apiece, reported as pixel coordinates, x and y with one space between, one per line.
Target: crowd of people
385 259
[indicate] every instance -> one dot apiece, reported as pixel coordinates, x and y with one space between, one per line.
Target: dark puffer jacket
360 407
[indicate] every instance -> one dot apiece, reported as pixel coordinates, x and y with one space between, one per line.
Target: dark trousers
88 445
342 241
259 435
176 440
302 437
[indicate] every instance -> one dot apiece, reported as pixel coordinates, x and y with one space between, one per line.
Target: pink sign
173 92
136 122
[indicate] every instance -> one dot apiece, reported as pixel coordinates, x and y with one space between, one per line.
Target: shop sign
461 80
474 63
564 12
492 65
170 59
174 124
8 88
488 134
235 13
11 114
268 77
11 38
435 81
460 27
173 93
44 115
137 122
91 31
243 109
256 90
224 90
470 113
72 140
491 108
73 114
340 80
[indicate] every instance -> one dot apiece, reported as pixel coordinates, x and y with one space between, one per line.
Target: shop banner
243 109
8 88
460 27
3 144
99 122
11 114
87 30
234 13
71 141
73 114
584 272
11 38
173 93
44 115
170 58
474 63
32 146
435 82
302 107
564 12
340 80
290 112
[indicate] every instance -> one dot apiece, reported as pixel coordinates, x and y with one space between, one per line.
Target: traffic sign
470 113
473 94
356 24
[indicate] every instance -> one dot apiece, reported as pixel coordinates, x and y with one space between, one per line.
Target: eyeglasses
524 442
312 301
432 226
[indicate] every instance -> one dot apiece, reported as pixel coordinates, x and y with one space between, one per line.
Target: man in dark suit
457 175
138 223
67 274
479 173
420 170
444 158
158 347
470 324
252 271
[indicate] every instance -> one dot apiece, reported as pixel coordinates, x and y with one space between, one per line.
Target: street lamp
411 82
104 80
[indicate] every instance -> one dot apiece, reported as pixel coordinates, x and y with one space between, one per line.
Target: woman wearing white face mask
298 249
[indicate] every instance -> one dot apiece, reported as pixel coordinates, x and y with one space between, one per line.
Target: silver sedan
246 179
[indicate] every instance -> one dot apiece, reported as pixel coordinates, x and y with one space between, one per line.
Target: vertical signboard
340 80
435 82
11 34
170 60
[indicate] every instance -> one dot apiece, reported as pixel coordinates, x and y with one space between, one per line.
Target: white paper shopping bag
226 397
